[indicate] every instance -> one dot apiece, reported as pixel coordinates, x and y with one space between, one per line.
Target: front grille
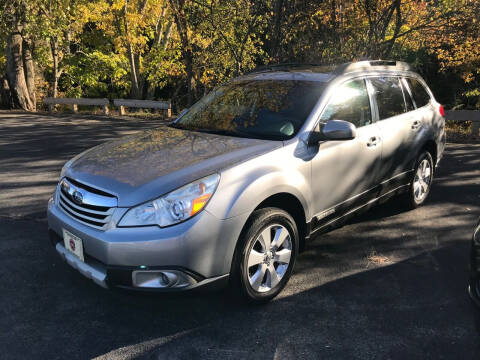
86 204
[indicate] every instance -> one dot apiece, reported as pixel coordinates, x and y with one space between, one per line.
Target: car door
344 173
423 116
397 127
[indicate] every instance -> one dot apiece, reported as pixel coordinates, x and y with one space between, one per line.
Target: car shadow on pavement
417 308
338 304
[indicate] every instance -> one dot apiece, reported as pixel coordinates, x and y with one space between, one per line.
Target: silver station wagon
231 190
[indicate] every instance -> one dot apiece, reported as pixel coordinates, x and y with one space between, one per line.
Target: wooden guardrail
143 104
466 115
51 102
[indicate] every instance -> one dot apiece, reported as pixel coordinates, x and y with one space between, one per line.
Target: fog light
161 279
164 280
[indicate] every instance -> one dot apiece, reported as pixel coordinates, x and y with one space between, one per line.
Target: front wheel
265 255
422 180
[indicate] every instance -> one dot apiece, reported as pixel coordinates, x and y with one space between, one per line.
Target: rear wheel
265 255
422 180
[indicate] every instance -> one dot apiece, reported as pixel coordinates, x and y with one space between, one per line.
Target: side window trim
405 106
373 100
372 111
406 85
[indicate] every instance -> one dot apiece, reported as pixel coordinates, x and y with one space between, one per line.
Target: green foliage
95 74
124 48
163 65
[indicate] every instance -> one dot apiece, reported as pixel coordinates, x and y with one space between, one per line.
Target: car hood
149 164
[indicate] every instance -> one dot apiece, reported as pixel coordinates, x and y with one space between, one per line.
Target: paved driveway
390 284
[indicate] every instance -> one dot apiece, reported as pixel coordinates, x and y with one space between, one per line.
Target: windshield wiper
235 133
219 132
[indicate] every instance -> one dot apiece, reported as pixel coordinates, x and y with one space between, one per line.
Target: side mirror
334 130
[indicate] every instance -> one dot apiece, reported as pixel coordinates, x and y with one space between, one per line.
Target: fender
237 195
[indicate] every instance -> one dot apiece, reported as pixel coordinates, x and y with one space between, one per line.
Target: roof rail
287 67
372 65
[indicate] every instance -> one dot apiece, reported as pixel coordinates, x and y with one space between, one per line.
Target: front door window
349 102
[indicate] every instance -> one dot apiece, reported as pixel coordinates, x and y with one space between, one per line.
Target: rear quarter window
419 93
389 95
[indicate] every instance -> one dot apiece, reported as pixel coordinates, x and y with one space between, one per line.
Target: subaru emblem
78 197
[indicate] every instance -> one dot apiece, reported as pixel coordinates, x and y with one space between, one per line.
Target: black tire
260 220
412 199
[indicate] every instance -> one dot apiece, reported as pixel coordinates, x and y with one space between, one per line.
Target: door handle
416 124
373 141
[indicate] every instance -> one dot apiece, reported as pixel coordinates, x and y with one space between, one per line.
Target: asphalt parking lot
390 284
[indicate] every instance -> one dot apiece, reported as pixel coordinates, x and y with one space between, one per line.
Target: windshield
262 109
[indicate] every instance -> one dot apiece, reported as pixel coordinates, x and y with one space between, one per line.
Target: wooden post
105 110
51 108
169 111
75 108
122 110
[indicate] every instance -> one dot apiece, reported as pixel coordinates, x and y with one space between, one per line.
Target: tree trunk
135 90
16 73
29 71
56 73
189 69
166 35
396 31
181 22
277 29
6 100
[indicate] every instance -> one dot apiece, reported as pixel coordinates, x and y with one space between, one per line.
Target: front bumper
96 273
107 277
199 249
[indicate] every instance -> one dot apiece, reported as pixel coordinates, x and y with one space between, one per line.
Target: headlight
173 207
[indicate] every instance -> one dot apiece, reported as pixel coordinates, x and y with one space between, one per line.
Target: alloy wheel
269 258
422 180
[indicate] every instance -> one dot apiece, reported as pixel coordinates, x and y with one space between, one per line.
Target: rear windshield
263 109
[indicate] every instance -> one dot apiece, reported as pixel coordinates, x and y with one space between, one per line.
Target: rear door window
389 96
420 94
349 102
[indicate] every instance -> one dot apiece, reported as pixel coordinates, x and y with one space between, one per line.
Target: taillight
441 110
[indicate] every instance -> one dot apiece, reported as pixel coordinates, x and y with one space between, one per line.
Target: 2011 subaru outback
232 188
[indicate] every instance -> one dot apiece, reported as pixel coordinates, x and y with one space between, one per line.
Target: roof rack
290 66
337 70
372 65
